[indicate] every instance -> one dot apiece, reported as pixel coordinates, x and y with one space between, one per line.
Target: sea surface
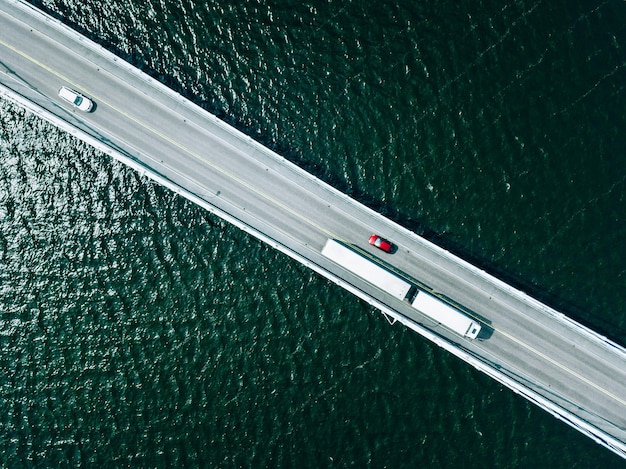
138 330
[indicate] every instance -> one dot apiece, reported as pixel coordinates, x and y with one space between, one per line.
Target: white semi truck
425 303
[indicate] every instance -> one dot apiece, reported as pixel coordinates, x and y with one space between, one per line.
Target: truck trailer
445 314
367 269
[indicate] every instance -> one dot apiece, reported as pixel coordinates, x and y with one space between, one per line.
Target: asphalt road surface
520 339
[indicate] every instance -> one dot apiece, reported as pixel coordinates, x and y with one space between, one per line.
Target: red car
381 243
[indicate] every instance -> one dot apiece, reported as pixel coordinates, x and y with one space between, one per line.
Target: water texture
138 330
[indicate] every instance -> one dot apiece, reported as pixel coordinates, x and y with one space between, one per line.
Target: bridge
570 371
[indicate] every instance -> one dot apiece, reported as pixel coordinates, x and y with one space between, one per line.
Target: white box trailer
445 314
367 269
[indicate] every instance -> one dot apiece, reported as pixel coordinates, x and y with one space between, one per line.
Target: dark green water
138 330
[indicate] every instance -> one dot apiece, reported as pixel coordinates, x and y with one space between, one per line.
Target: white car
76 99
